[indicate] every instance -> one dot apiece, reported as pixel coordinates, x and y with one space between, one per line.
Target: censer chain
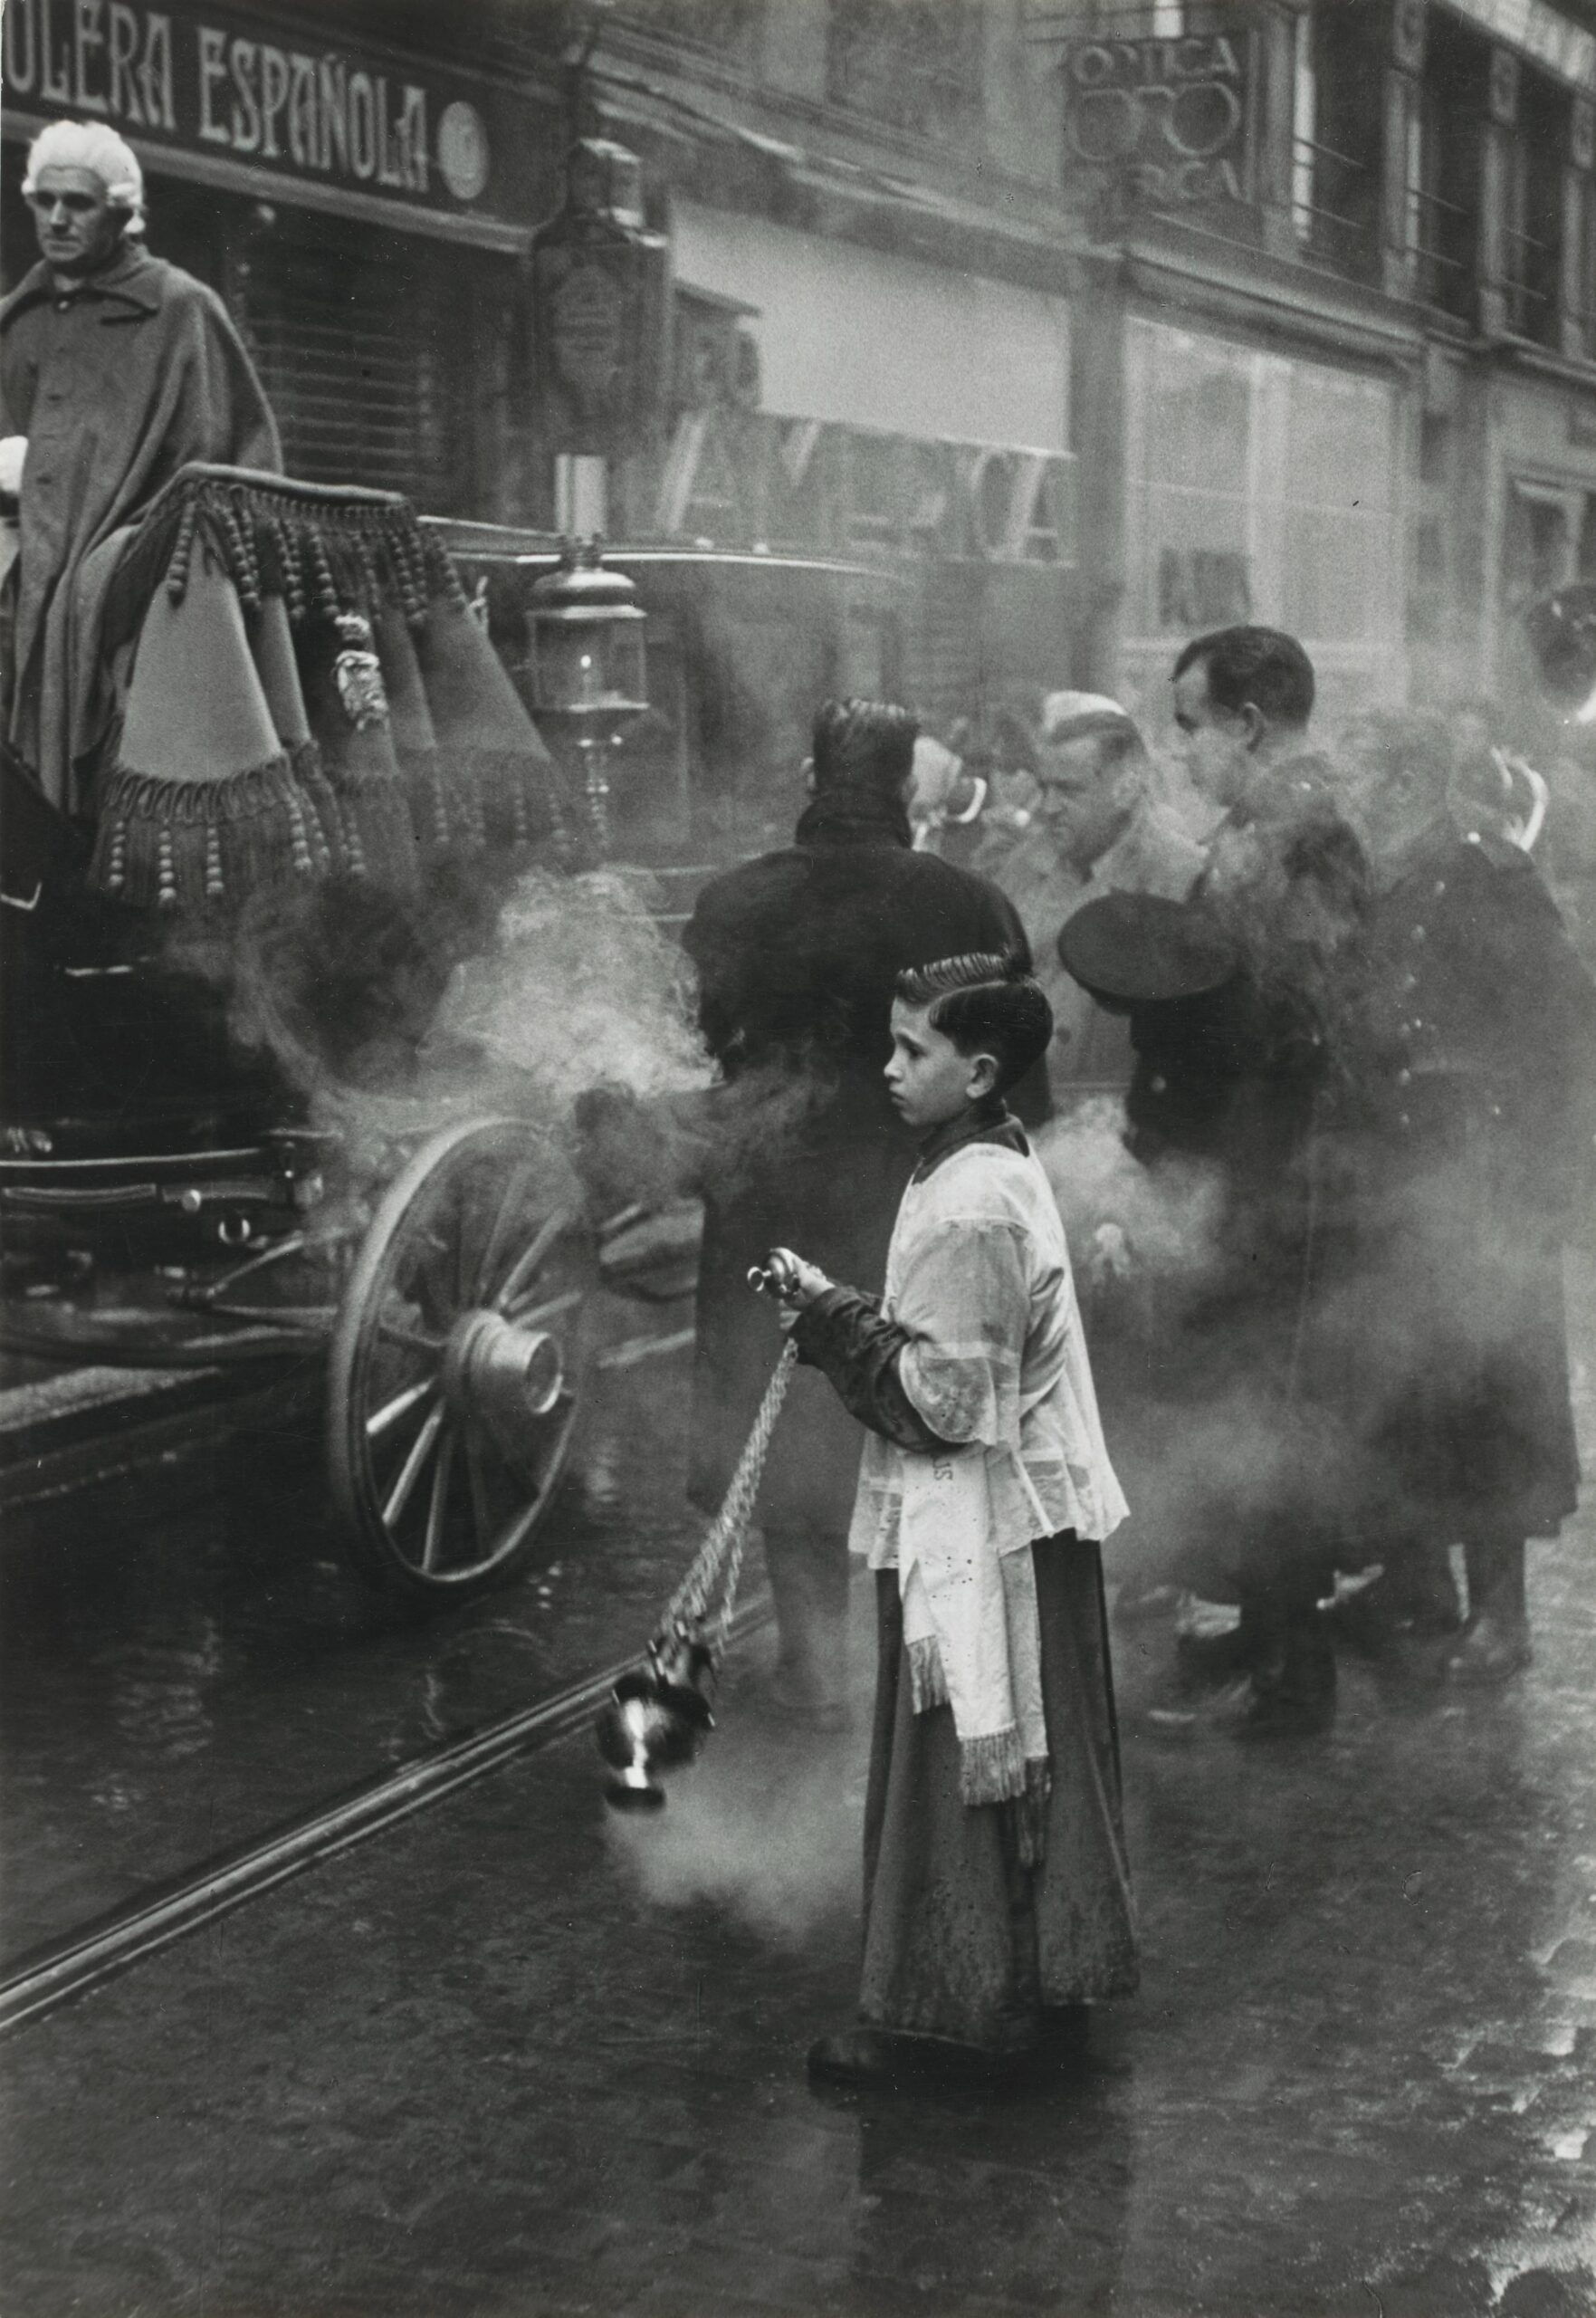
723 1548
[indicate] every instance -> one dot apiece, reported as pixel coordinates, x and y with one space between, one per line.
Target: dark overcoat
1479 1104
796 953
1223 1396
116 386
1244 1075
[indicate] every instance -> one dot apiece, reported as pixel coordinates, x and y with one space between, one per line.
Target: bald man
117 368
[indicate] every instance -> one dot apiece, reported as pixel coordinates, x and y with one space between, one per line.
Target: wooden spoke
441 1474
527 1265
415 1464
429 1502
413 1339
482 1510
382 1418
509 1208
538 1315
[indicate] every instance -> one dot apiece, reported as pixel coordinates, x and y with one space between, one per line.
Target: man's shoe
1293 1699
1491 1650
1208 1661
1185 1714
1268 1712
1415 1600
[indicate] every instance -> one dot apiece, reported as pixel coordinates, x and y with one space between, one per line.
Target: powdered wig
90 145
864 744
985 1002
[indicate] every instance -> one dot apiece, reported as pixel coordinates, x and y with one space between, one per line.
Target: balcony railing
1334 206
1439 232
1529 263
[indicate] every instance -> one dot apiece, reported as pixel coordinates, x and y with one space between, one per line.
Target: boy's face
929 1080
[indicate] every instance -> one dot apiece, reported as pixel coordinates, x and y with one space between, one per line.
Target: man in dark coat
797 955
1236 1067
1478 1104
118 369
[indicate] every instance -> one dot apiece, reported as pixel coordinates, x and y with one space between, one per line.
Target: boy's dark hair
864 744
986 1002
1261 664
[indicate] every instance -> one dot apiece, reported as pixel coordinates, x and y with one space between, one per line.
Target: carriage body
234 1139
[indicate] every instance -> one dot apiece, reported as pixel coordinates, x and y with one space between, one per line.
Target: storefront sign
796 482
1166 120
243 87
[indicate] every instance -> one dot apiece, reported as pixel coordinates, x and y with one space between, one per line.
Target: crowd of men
1344 996
1358 1012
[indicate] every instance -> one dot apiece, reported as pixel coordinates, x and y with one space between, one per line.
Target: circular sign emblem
463 150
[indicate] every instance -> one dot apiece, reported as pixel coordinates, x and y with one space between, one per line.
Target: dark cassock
116 383
797 955
1224 1406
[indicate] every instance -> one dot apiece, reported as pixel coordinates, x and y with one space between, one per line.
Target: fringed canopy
309 694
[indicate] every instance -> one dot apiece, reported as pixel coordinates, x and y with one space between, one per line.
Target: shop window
1335 135
1549 539
1533 228
364 346
1259 488
915 65
1445 148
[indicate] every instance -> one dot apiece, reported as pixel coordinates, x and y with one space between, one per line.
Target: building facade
1343 259
1082 327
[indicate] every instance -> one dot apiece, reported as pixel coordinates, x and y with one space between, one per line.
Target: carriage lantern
588 669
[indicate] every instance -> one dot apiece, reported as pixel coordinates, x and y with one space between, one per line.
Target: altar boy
997 1896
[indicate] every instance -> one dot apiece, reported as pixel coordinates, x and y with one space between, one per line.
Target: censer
656 1717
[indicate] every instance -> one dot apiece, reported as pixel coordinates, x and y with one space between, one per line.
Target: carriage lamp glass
587 655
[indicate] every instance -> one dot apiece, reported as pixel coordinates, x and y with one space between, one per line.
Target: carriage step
63 1429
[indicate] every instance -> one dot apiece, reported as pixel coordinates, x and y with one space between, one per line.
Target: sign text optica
1166 117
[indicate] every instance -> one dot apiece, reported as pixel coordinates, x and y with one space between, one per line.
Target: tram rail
64 1970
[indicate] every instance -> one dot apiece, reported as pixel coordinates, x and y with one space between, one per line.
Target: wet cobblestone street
520 2057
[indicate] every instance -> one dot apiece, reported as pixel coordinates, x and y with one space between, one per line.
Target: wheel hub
503 1375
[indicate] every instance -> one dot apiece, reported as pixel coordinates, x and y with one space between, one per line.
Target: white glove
1110 1257
14 452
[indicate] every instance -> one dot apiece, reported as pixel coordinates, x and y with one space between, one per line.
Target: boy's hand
1110 1256
795 1283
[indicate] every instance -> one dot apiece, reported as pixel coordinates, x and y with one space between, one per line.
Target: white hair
90 145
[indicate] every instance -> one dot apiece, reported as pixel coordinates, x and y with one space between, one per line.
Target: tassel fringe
928 1684
322 555
166 844
378 840
992 1768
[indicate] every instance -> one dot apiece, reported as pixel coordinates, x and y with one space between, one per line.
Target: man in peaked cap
1233 1067
118 369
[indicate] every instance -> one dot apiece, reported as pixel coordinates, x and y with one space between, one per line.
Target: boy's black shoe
877 2059
867 2056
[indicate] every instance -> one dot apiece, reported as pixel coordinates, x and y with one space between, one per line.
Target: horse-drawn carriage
234 1137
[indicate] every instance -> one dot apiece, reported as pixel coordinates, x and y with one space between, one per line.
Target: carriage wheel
458 1363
